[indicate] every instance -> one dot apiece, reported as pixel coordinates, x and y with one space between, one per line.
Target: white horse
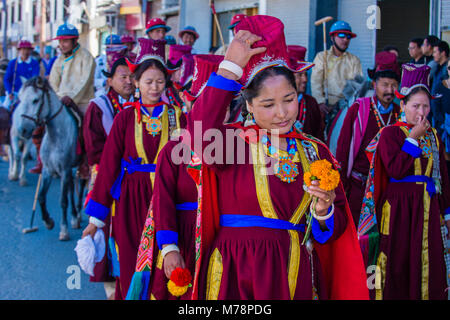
39 105
18 152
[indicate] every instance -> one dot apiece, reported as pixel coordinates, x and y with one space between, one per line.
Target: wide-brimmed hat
271 30
204 66
414 76
66 31
191 30
150 49
236 19
156 23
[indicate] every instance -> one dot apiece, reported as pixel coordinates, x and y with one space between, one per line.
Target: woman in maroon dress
411 196
252 231
124 183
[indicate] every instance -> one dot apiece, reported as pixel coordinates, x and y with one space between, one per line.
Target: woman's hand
324 198
173 260
420 128
240 51
91 229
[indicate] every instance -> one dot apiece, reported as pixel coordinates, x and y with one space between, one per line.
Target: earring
298 126
137 94
249 121
403 116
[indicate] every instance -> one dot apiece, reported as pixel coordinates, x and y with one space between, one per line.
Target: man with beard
361 124
333 73
97 124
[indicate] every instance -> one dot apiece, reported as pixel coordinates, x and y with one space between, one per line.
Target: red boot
38 167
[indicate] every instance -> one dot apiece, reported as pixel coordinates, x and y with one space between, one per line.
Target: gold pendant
286 170
152 125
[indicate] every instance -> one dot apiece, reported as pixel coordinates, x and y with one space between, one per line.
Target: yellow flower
176 290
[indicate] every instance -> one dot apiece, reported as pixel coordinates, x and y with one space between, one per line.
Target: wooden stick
216 19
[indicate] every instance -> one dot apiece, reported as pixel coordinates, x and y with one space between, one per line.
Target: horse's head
34 106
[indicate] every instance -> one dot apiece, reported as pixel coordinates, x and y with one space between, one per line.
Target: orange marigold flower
323 171
176 290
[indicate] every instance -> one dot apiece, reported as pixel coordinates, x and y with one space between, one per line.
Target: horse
39 105
18 151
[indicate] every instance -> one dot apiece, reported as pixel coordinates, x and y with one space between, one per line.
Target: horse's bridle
37 120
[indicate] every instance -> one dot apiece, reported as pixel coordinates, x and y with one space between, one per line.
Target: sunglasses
344 35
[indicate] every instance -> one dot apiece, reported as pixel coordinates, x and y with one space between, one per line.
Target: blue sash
131 167
238 220
187 206
431 188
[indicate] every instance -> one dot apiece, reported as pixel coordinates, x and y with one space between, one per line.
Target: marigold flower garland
180 282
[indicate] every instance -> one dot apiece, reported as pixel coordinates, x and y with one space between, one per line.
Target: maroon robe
354 187
173 186
313 123
252 262
130 211
401 213
95 135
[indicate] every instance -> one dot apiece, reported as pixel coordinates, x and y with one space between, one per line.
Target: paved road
37 265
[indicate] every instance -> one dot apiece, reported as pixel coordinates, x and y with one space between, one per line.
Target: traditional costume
251 223
73 76
407 198
124 183
309 114
172 214
97 125
361 124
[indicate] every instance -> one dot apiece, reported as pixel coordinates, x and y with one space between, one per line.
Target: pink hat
177 51
150 49
414 76
187 69
297 53
114 53
271 30
204 65
127 38
24 44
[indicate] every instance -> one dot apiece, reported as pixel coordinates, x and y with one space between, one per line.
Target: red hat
156 23
127 38
150 49
236 19
386 60
24 44
177 51
205 65
271 30
297 53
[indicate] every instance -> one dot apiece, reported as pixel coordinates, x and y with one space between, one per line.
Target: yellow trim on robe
268 211
380 277
385 218
215 271
159 261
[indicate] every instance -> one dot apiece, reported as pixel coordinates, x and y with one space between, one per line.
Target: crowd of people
250 215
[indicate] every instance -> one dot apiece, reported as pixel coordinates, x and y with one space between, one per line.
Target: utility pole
43 25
